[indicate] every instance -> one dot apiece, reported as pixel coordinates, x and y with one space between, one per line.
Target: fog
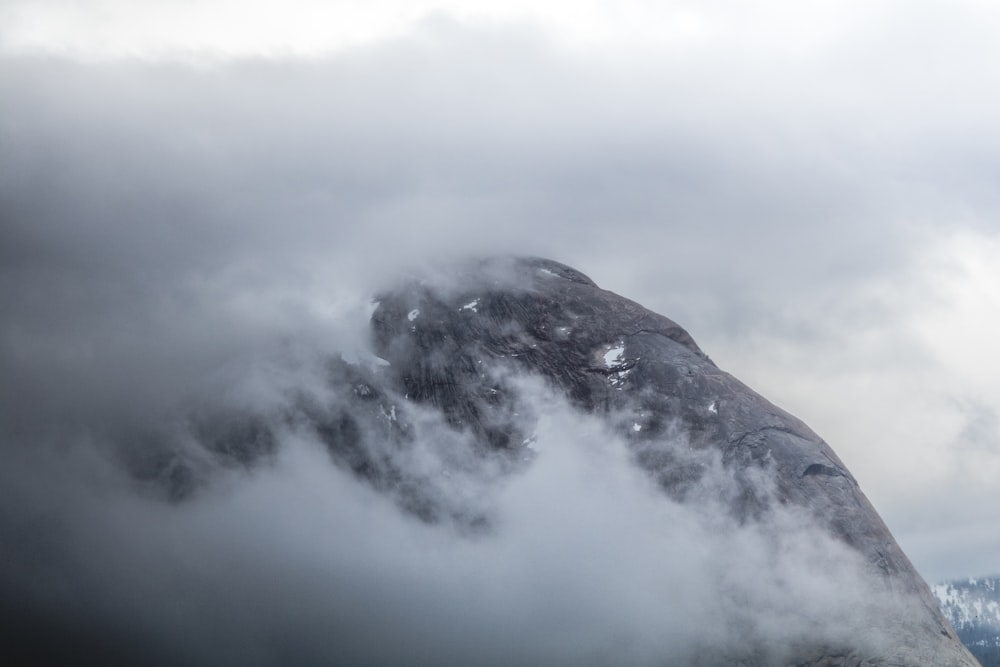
288 558
192 233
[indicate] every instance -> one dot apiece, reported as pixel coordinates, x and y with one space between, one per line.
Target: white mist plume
297 561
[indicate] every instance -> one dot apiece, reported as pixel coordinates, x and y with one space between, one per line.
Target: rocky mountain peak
454 343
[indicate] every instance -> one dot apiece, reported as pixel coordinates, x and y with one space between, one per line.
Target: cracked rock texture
611 356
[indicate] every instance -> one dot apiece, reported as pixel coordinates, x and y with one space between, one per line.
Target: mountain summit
453 343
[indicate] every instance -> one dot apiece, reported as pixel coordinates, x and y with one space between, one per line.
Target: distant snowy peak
973 608
971 601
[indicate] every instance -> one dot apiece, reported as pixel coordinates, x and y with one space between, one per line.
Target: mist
192 243
576 556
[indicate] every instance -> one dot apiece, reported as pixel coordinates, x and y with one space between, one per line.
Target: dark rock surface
611 356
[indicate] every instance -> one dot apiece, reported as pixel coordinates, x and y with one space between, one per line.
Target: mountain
648 378
973 608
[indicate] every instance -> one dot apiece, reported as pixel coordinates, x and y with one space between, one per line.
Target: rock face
612 357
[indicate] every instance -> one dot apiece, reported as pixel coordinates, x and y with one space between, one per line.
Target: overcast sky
808 187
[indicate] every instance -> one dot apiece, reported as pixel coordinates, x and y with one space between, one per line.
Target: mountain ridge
973 607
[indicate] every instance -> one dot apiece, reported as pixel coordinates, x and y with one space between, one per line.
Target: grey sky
810 192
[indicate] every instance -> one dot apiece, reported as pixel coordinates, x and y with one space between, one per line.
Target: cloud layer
294 560
812 197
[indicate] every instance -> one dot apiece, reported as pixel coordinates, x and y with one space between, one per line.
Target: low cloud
293 559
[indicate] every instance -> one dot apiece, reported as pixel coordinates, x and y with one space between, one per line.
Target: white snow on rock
413 314
636 427
472 305
547 272
617 379
714 407
614 361
614 356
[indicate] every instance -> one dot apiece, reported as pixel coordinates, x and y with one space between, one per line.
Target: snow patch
636 427
472 305
617 380
614 356
413 314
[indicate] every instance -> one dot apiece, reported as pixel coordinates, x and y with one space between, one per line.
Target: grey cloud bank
300 563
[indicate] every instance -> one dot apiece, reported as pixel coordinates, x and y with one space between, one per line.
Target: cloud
294 559
799 195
